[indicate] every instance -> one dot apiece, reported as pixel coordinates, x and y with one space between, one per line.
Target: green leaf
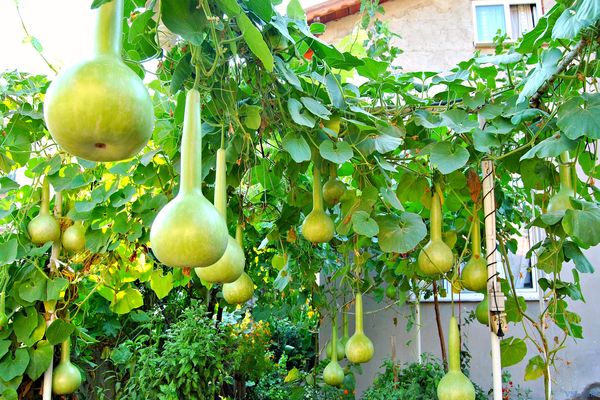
336 152
287 73
541 73
583 223
127 300
574 253
183 71
255 41
295 10
551 147
251 116
316 107
34 287
583 14
40 358
25 323
534 369
512 351
98 3
512 307
59 331
8 252
161 284
499 59
184 18
6 185
336 95
448 158
373 69
400 234
363 224
55 288
391 198
4 346
296 145
299 115
13 366
458 120
580 116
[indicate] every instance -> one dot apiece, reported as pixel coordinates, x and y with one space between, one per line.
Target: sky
64 29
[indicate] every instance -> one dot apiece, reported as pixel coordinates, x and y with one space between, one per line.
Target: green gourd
100 109
359 348
318 226
346 335
454 385
189 231
231 266
482 311
66 377
474 274
333 374
334 189
340 351
561 200
44 227
73 238
3 316
436 257
240 291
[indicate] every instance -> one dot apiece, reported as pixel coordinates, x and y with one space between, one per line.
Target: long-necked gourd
189 231
66 377
99 109
333 374
44 227
317 226
474 274
561 200
231 266
345 331
333 189
339 346
73 238
359 348
454 385
436 257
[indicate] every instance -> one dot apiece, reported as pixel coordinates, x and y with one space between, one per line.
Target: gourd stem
453 346
334 357
317 192
221 184
239 235
333 171
345 322
109 28
358 310
65 351
476 233
45 204
2 301
191 145
565 172
436 218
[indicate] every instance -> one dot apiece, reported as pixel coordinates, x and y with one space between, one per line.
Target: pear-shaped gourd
44 227
454 385
100 109
482 312
73 238
436 257
334 189
240 291
561 200
359 348
231 266
474 274
66 377
317 226
333 374
189 231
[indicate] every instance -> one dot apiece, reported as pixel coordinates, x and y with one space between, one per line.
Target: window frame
507 18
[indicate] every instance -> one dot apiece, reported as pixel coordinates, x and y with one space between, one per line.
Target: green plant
359 348
436 256
454 384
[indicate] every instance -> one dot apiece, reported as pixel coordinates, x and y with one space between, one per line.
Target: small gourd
333 374
100 109
240 291
561 201
359 348
482 311
73 238
454 385
317 226
474 275
334 189
44 227
231 265
189 231
66 377
436 257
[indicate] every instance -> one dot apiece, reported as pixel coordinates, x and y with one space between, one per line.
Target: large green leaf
551 147
580 116
335 92
583 14
59 331
315 107
127 300
296 145
512 351
8 252
161 284
40 358
255 41
12 366
583 223
447 157
400 234
363 224
299 115
542 72
336 152
184 18
25 322
535 368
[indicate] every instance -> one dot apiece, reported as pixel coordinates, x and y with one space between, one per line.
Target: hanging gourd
240 291
44 228
340 351
189 231
454 385
100 109
66 377
334 189
73 238
333 374
231 265
3 316
346 335
317 226
482 312
436 257
561 200
474 274
359 348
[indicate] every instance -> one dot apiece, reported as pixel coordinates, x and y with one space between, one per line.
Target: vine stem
438 320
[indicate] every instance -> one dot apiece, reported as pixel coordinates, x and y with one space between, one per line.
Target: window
512 17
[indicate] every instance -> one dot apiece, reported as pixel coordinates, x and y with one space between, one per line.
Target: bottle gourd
73 238
100 109
474 274
436 257
231 265
66 377
189 231
240 291
317 226
44 227
482 312
561 200
340 350
334 189
454 385
333 374
359 348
